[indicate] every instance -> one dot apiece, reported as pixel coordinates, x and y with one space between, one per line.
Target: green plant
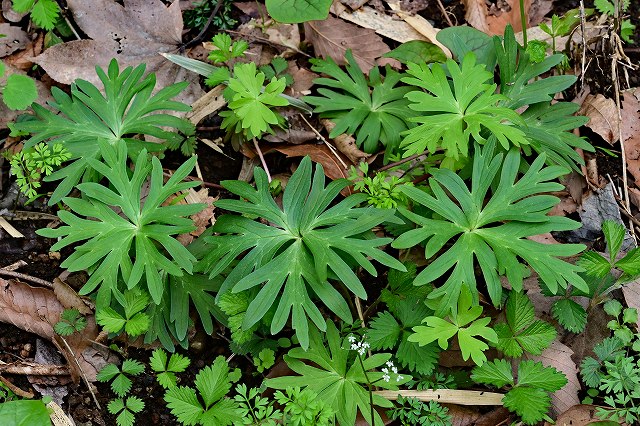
627 29
563 26
303 408
212 383
521 332
266 359
44 13
255 409
28 166
453 110
125 409
340 380
134 322
124 246
226 50
166 368
250 104
621 326
295 11
374 109
492 227
277 68
81 121
198 16
294 254
24 412
120 383
19 90
529 395
70 322
412 411
464 323
383 190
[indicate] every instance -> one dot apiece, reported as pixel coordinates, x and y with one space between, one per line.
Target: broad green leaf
288 260
464 39
529 403
496 373
373 108
111 320
417 51
614 233
80 121
490 229
594 264
337 377
570 315
630 264
296 11
183 403
24 413
534 374
45 14
19 92
137 243
22 6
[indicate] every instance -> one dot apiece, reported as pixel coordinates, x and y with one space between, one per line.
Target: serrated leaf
590 372
167 379
45 13
135 404
19 91
213 382
630 264
594 264
293 254
22 6
570 315
297 11
108 372
158 360
178 363
614 233
132 366
534 374
384 331
529 403
183 403
138 242
137 325
24 413
493 232
111 320
116 406
496 373
121 385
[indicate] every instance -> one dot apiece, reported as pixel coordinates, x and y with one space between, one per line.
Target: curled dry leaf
133 34
603 116
346 144
578 415
332 37
631 292
558 356
493 21
36 310
14 39
630 128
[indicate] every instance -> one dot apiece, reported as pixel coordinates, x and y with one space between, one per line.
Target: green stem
523 19
369 386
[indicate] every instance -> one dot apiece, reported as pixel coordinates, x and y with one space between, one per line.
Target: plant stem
264 164
369 386
404 160
523 19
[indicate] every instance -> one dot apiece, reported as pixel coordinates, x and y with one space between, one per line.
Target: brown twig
21 393
84 377
27 368
200 36
26 277
322 138
264 163
398 163
444 13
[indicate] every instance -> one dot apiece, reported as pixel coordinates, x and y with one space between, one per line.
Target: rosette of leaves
490 227
451 111
138 242
338 377
529 395
290 257
126 108
547 127
374 110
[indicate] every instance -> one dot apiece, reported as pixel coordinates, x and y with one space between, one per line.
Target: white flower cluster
360 346
386 377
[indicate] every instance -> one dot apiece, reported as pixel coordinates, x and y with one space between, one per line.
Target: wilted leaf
558 355
36 310
14 39
346 144
631 292
630 128
332 37
578 415
493 21
133 34
603 116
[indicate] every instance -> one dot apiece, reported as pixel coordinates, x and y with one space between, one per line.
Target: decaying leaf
14 39
603 116
630 129
332 163
631 292
476 14
494 20
558 356
346 144
332 37
36 310
133 34
420 24
578 415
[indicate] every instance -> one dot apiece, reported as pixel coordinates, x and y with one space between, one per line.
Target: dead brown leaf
332 37
476 14
14 39
603 116
133 34
494 20
252 9
631 292
36 310
558 355
578 415
462 416
319 153
630 129
302 80
346 144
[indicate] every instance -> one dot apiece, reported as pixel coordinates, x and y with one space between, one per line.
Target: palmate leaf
292 256
338 379
136 243
493 232
87 116
570 315
374 109
453 111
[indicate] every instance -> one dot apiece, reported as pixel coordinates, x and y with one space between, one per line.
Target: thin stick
404 160
15 266
331 148
202 32
264 164
359 310
26 277
450 396
444 13
84 377
584 43
21 393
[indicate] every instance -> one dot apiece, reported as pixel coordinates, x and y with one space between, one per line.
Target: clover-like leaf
374 110
126 108
337 377
492 230
442 330
294 252
136 242
454 110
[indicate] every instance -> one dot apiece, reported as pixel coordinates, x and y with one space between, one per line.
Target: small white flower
386 378
366 345
389 364
399 378
385 370
351 338
394 369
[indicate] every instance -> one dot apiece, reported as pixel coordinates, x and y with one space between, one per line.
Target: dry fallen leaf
630 129
332 37
319 153
133 34
558 355
14 39
602 115
493 21
346 144
578 415
631 292
36 310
